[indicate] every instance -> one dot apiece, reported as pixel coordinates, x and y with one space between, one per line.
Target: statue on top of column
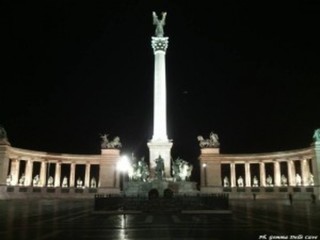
159 23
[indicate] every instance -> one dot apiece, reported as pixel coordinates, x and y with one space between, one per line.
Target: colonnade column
291 173
57 176
43 173
28 173
262 175
233 174
248 174
15 166
277 177
87 176
305 172
72 174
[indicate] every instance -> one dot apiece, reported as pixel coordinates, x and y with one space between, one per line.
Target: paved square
75 219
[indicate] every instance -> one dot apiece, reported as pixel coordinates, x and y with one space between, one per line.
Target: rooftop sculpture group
105 143
212 142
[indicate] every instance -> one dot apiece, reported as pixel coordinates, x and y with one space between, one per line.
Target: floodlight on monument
204 165
123 164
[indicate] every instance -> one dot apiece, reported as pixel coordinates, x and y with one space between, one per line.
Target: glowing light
124 164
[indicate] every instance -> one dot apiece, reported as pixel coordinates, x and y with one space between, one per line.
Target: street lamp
123 166
204 165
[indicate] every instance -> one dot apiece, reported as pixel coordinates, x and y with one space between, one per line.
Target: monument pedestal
162 149
142 189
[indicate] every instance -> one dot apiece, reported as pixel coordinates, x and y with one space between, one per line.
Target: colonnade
27 176
22 167
287 177
275 169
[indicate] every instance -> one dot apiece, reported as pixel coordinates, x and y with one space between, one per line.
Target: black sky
74 69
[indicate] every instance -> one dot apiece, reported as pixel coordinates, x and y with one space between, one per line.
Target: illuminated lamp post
123 166
205 173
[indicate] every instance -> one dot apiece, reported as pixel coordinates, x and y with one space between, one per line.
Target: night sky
247 71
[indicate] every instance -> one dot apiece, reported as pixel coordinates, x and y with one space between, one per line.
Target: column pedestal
162 149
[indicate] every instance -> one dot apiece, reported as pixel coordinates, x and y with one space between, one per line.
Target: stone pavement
75 219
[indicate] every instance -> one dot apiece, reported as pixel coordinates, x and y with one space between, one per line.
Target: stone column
87 176
15 166
291 173
43 173
316 163
4 160
248 174
28 173
262 174
305 172
160 145
277 174
57 175
233 174
72 174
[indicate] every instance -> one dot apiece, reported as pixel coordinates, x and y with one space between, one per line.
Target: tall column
28 174
305 172
233 174
248 174
277 174
87 176
72 174
57 175
160 146
43 173
262 174
291 173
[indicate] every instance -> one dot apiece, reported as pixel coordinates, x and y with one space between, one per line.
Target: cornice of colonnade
269 156
20 153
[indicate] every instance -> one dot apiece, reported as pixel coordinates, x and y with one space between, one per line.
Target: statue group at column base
138 188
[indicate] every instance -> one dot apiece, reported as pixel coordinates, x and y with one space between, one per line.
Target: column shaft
43 173
28 173
233 174
305 172
248 174
72 174
87 176
277 174
291 173
57 176
15 166
262 174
